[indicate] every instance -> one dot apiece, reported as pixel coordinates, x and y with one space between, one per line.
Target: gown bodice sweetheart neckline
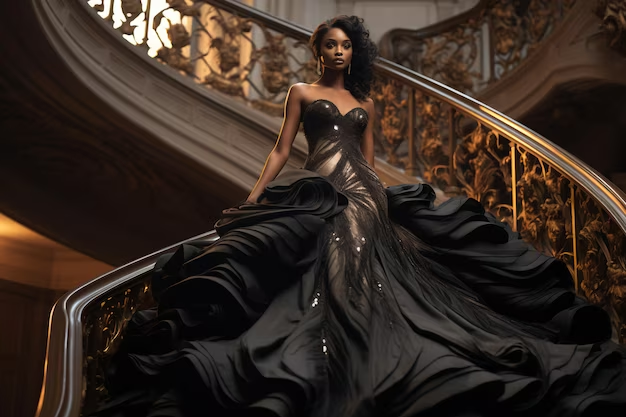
357 108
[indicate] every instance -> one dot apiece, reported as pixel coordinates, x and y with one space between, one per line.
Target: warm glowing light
13 230
158 37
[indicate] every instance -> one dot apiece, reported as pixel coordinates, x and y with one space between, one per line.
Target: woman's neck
332 79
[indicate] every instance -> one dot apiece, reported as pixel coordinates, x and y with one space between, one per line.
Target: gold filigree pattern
492 41
613 15
544 198
234 55
391 101
432 158
417 132
602 266
451 57
482 166
103 326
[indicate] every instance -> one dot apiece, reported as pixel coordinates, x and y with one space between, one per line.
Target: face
336 49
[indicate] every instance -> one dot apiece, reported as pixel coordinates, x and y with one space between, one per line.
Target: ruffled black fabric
274 239
508 274
335 297
216 293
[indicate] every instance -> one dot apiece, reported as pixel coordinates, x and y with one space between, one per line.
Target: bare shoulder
300 89
368 105
299 92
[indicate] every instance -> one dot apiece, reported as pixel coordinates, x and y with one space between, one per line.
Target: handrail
446 135
65 362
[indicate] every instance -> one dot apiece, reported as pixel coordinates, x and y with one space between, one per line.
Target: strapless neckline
335 107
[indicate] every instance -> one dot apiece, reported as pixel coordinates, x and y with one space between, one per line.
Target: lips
338 61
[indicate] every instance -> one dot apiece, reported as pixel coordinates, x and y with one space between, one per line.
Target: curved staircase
127 152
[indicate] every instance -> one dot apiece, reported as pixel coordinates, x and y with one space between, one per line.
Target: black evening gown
337 297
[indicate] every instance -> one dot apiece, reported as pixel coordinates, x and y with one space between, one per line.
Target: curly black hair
364 52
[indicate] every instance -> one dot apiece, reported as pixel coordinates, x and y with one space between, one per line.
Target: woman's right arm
279 155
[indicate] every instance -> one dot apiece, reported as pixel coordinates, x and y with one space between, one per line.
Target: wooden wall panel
24 312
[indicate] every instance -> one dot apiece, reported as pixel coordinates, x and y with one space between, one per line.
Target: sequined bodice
323 120
334 141
333 136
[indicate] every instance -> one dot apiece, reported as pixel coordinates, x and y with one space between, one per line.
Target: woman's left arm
367 142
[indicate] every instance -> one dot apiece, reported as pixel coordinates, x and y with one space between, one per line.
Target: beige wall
380 16
31 259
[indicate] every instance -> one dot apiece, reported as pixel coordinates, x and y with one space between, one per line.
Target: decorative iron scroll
428 138
391 102
103 326
235 55
493 39
602 261
613 15
545 208
459 154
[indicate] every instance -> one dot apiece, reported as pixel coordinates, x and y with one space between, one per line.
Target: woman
329 295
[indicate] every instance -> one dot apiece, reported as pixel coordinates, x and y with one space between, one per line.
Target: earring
349 68
319 66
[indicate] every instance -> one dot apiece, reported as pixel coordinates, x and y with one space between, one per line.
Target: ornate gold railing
558 203
476 48
613 15
85 327
217 46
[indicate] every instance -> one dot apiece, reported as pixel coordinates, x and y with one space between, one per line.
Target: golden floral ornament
131 10
613 15
103 331
229 54
178 36
182 7
175 59
494 38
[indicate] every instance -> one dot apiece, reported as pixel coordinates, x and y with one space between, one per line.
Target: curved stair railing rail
474 49
554 200
85 326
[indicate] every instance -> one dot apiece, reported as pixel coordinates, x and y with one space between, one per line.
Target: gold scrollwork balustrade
476 48
613 15
103 325
473 153
236 55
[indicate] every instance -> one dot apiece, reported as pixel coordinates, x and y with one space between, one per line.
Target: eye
330 44
347 45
